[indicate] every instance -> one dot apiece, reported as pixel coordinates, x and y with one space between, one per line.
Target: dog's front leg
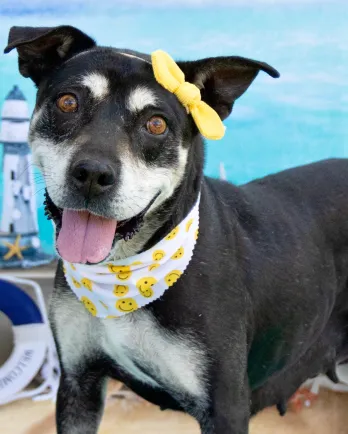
230 413
83 378
80 402
229 410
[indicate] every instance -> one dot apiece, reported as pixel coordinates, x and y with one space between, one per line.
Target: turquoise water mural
299 118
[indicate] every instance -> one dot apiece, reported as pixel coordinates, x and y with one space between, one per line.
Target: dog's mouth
86 238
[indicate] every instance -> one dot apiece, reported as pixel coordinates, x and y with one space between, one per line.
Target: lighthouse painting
20 245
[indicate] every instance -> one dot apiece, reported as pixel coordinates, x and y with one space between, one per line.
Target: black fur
282 407
265 294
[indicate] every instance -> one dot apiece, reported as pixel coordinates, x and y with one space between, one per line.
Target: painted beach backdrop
299 118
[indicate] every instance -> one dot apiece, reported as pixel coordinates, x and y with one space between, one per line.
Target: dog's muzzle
67 238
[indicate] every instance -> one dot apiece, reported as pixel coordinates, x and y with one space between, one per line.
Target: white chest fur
171 361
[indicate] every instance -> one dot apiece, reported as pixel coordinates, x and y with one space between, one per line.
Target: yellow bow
169 75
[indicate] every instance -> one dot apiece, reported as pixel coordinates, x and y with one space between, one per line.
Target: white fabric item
116 288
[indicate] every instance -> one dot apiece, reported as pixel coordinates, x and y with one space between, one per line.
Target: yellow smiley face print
178 254
145 285
87 283
123 272
124 275
153 267
72 266
118 268
172 234
196 235
188 225
172 277
76 283
120 290
158 255
126 305
89 305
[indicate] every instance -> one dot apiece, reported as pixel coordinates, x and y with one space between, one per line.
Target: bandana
116 288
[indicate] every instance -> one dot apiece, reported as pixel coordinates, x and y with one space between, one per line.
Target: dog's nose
92 177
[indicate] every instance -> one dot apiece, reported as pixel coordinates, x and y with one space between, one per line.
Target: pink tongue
85 237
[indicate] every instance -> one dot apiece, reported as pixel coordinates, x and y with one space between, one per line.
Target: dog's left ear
224 79
41 49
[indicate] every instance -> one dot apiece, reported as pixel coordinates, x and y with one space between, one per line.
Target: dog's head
114 145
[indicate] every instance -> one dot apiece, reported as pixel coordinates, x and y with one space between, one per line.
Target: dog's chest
136 343
154 356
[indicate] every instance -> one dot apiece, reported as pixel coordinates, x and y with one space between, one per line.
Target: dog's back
310 200
318 190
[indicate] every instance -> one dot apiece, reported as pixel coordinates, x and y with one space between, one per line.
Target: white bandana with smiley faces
120 287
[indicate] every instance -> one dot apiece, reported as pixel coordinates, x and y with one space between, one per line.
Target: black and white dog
263 304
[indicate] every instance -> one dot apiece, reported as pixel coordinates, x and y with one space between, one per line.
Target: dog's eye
67 103
156 125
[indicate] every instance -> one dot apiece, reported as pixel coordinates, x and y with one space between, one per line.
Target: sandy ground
327 415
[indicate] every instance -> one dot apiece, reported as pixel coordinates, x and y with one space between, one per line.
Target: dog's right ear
41 49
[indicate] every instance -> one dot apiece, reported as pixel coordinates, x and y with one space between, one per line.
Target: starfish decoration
14 249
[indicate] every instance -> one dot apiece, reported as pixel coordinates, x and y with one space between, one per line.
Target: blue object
17 305
16 94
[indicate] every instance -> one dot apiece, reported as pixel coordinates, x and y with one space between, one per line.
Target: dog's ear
41 49
224 79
